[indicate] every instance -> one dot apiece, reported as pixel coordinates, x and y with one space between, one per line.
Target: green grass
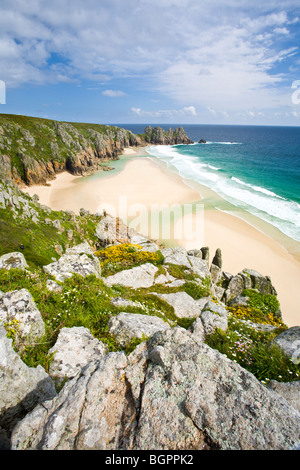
264 302
255 351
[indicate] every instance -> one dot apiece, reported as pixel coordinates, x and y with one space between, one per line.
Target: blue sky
152 61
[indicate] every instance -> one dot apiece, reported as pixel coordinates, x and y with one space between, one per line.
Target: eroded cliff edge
34 150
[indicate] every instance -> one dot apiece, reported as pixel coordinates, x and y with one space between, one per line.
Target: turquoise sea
256 169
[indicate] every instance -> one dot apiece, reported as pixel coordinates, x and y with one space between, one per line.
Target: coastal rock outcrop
170 393
159 136
47 148
33 151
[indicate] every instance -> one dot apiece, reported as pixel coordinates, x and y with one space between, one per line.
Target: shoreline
144 184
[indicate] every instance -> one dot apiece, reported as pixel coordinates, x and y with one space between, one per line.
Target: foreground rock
288 390
126 326
75 348
171 393
21 388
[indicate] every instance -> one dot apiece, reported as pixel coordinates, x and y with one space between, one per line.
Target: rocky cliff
159 136
33 150
110 341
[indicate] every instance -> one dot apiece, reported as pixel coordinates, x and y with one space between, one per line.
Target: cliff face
34 150
159 136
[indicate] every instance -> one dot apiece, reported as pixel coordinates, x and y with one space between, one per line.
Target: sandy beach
143 184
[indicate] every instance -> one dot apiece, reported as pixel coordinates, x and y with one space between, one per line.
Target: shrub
255 315
118 257
255 352
196 290
266 303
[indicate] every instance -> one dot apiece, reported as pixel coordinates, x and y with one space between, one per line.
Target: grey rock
171 393
176 256
21 387
69 264
248 279
218 292
13 260
184 305
53 286
205 253
82 248
70 234
239 301
111 230
56 223
217 259
146 245
199 267
75 348
214 316
120 302
195 252
289 342
290 391
19 311
179 256
235 288
126 326
259 326
195 398
166 279
262 283
197 330
140 276
216 273
94 411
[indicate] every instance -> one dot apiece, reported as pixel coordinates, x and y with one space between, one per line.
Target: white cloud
113 93
214 54
283 31
186 111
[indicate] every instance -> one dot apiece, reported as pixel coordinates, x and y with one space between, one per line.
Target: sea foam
261 202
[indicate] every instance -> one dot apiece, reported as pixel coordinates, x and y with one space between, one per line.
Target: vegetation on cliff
33 150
